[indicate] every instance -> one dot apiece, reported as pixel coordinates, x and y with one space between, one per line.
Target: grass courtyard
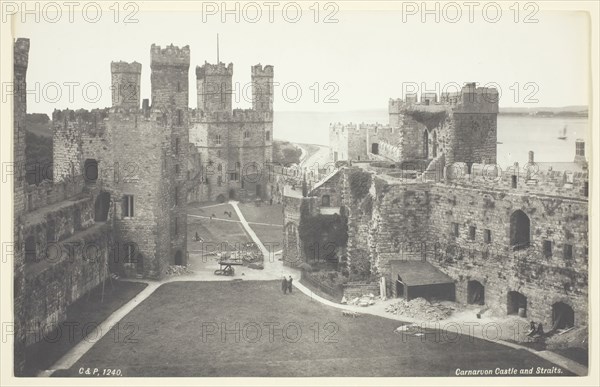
249 328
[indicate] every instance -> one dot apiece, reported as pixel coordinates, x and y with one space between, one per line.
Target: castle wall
392 220
234 151
20 60
137 137
543 280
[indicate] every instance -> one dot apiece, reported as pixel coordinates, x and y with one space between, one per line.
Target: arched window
519 230
325 201
425 144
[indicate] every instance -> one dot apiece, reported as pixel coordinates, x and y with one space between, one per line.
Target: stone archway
375 148
563 316
520 233
515 303
90 170
475 293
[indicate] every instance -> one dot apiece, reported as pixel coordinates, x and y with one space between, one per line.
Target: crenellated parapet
81 116
170 56
260 71
125 67
235 116
208 69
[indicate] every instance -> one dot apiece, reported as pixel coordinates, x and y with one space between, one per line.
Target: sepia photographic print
194 192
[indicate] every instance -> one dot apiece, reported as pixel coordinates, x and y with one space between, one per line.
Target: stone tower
21 58
125 86
474 136
262 88
170 85
214 87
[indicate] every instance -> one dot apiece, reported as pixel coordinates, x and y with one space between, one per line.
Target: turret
214 87
262 88
125 86
169 77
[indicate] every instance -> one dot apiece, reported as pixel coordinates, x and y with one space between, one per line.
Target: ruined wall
543 280
20 61
53 284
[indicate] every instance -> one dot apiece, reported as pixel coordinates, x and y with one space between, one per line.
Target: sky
356 63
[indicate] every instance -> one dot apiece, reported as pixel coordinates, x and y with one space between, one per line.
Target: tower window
455 230
128 206
246 134
487 236
268 135
176 195
218 139
177 145
472 230
568 251
179 117
547 249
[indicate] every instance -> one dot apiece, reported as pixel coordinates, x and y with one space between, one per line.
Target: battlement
21 53
208 69
124 67
469 99
81 115
169 56
259 71
237 115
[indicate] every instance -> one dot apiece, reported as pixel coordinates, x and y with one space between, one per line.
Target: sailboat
562 135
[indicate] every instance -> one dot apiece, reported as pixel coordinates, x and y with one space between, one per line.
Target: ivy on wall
360 184
322 235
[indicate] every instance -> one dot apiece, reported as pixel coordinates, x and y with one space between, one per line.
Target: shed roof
417 273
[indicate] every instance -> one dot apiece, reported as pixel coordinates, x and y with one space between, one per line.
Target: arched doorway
101 207
232 194
178 258
375 148
425 144
475 293
516 301
563 316
221 198
519 230
90 170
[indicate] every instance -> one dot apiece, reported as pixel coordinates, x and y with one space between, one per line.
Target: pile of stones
365 300
178 270
421 309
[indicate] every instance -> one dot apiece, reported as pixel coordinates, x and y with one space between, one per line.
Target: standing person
289 284
284 285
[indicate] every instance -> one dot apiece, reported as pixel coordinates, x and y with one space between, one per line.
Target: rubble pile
178 270
420 308
365 300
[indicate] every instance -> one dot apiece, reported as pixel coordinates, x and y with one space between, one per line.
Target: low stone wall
353 290
52 285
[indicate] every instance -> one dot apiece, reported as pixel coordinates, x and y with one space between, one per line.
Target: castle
419 208
122 179
232 148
